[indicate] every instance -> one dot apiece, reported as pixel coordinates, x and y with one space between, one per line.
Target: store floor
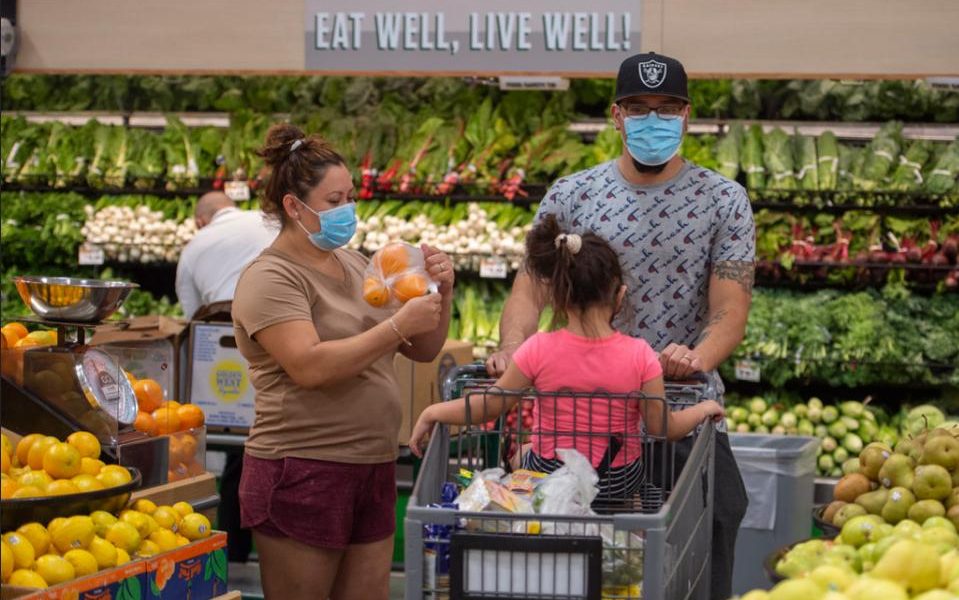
245 578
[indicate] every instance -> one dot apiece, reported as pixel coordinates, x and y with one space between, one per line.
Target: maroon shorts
319 503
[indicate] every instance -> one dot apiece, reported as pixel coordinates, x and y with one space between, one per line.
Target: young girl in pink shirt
581 278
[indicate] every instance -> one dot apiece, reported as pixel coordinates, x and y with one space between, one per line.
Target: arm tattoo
740 271
712 321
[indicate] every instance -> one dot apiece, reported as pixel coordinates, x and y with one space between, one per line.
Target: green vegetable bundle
751 158
808 171
943 177
908 175
778 157
881 154
147 163
828 163
727 152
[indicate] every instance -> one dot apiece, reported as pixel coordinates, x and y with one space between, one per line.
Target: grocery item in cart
395 275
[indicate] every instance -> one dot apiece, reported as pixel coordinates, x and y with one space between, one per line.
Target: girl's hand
440 268
421 433
713 410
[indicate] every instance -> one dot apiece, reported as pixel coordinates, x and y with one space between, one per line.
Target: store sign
544 37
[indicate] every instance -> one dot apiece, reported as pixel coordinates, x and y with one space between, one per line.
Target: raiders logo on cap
652 73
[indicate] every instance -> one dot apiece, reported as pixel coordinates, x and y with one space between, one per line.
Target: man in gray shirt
686 241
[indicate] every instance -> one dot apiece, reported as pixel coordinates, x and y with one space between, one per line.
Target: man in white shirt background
226 241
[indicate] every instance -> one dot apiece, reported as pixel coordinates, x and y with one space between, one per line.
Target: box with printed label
126 582
197 571
150 347
219 380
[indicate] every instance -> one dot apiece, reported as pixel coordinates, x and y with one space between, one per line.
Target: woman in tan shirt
318 486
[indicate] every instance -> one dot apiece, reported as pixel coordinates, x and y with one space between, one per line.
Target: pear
832 577
911 564
870 588
861 530
935 595
850 466
830 511
796 589
851 487
925 509
942 450
756 595
897 471
907 529
904 445
953 498
932 482
873 501
953 515
955 478
871 459
897 505
940 523
846 513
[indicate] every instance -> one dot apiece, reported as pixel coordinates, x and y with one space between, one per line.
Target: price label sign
747 370
494 267
90 254
237 190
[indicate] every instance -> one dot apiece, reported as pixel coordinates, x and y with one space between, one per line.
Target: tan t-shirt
354 421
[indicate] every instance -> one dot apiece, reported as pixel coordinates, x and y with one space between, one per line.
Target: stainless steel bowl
72 300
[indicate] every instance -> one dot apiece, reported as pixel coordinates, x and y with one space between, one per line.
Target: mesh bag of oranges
395 275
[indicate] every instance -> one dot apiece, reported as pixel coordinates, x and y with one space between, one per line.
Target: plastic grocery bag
395 275
570 489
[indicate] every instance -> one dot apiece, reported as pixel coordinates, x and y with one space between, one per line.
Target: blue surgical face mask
653 140
337 226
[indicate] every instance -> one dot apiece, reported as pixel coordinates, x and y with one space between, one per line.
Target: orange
62 461
194 469
191 416
90 466
62 487
409 286
10 338
24 445
188 447
392 259
86 443
4 461
149 394
166 420
17 329
375 292
145 423
171 404
38 450
6 445
7 488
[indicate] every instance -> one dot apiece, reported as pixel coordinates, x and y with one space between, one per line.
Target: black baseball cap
651 73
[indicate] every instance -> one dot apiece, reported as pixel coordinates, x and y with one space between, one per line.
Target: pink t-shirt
560 361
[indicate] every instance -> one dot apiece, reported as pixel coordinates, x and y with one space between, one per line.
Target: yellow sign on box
219 377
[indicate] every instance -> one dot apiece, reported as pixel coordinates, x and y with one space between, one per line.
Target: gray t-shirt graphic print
667 237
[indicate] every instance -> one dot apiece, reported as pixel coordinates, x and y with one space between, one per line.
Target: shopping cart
652 543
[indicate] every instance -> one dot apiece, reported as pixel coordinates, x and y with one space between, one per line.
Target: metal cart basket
653 542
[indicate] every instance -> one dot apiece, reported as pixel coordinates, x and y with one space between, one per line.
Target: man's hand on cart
679 362
498 361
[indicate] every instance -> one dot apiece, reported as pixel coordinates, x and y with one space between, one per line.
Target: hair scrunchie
573 241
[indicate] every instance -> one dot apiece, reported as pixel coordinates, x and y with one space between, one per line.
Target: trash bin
779 473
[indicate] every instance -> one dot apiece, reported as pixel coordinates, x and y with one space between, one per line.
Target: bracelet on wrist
396 330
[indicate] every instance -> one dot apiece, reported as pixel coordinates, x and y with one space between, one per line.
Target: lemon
6 445
181 541
122 557
5 463
184 508
91 466
23 552
61 461
84 563
87 483
6 561
76 532
86 444
38 450
23 447
102 521
62 487
28 491
167 518
195 526
138 520
55 569
55 524
26 578
37 535
104 552
147 507
148 548
37 479
114 475
164 539
124 536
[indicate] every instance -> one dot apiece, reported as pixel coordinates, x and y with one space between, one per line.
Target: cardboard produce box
219 377
420 382
197 571
150 347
